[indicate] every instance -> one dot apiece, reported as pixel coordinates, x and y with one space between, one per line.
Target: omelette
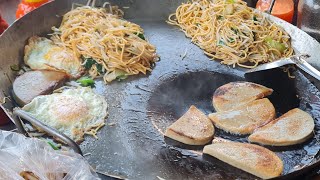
42 54
74 112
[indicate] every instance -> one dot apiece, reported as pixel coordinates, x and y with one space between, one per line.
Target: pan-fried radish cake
193 128
246 118
294 127
251 158
234 94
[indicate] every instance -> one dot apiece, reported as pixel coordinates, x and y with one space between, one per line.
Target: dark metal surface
298 60
131 144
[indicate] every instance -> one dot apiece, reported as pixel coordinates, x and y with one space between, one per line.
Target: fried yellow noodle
231 31
114 43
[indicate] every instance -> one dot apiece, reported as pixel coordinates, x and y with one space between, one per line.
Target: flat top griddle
131 145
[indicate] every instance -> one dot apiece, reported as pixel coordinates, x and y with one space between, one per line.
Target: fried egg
42 53
73 112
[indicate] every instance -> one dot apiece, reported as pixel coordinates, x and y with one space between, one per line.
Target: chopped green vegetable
99 68
229 9
220 43
140 35
231 1
255 18
234 30
86 81
275 44
53 145
122 77
15 67
220 17
89 62
117 74
231 40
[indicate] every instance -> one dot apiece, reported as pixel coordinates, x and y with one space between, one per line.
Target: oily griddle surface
132 145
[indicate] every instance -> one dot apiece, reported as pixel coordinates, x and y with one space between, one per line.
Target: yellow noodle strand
107 38
230 31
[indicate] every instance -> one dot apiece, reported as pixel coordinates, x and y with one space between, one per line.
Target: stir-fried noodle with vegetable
231 31
109 45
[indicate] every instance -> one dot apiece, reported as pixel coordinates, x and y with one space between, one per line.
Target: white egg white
72 112
42 53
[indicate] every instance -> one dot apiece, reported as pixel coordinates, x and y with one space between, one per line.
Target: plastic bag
21 156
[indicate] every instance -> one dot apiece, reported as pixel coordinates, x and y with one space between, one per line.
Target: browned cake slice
234 94
246 118
294 127
251 158
193 128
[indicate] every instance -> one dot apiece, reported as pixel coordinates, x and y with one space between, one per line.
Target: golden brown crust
251 158
246 118
235 94
294 127
193 128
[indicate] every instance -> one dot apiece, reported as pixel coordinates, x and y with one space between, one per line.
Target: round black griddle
131 145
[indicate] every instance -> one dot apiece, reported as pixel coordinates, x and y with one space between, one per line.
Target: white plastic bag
20 155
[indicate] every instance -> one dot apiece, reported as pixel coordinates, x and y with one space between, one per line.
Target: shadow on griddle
284 96
178 144
185 163
286 148
223 165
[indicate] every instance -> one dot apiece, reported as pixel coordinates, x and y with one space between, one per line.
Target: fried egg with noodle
42 53
74 112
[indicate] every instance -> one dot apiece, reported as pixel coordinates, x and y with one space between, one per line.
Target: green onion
231 1
231 40
275 44
140 35
234 30
229 9
89 62
53 145
86 81
220 43
117 74
255 18
122 77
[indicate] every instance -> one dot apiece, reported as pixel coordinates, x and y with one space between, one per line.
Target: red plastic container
27 6
283 9
3 25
